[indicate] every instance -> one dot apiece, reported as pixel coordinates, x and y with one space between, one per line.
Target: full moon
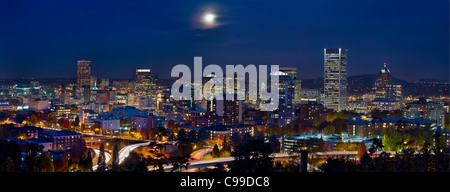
209 18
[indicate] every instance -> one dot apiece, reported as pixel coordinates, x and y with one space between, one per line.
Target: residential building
61 140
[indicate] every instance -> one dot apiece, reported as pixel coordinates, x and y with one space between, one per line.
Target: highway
199 154
108 158
226 160
125 151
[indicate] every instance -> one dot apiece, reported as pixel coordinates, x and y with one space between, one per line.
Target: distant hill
359 84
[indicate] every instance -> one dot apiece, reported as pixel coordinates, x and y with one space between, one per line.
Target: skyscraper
335 78
385 88
83 73
297 83
284 114
384 77
145 85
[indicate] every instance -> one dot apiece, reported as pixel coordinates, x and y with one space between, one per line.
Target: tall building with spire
335 79
384 79
385 88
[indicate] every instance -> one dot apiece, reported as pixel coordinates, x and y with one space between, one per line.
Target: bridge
277 157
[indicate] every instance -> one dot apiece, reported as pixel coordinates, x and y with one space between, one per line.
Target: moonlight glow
209 18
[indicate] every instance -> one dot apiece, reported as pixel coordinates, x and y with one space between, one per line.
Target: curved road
125 151
225 160
108 158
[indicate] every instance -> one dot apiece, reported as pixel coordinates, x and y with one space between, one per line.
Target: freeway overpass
277 156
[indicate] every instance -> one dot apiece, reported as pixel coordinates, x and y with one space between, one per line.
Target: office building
335 88
284 114
145 86
83 73
297 83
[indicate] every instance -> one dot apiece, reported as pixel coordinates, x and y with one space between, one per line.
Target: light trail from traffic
108 158
125 151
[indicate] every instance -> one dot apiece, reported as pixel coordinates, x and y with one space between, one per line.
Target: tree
439 141
135 162
275 144
182 136
64 123
144 134
192 136
101 159
235 140
329 129
161 132
408 160
5 131
252 156
76 123
378 113
87 163
78 149
51 120
202 135
115 158
132 132
45 163
3 116
179 160
10 150
82 127
8 165
215 152
361 150
321 145
396 113
391 140
340 125
33 119
376 144
20 118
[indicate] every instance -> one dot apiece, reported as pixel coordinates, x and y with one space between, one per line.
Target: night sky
45 39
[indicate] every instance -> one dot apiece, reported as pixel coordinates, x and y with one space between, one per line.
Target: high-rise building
385 88
423 109
297 83
145 86
83 73
105 83
230 110
284 114
335 88
384 80
384 77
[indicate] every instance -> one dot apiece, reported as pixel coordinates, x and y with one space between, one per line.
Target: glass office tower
335 79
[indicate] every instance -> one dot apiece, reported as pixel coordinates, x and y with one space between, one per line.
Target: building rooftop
396 119
217 128
332 137
382 99
60 133
34 140
33 128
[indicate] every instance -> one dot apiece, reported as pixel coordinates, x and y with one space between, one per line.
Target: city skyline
43 42
224 87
